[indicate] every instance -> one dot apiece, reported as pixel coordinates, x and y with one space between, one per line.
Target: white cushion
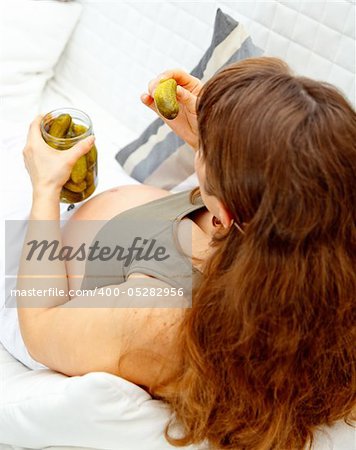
43 408
97 410
33 35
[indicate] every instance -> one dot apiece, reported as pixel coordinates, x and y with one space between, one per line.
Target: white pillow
97 410
33 35
42 408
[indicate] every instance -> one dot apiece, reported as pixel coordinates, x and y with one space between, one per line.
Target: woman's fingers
182 78
147 99
37 143
187 99
79 149
149 102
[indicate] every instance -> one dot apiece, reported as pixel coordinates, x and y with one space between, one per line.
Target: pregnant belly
108 204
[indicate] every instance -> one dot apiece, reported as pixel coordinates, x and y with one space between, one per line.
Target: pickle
70 197
89 190
79 171
76 130
70 133
166 99
90 177
92 156
76 187
60 126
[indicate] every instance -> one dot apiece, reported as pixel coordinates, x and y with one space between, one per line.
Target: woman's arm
49 169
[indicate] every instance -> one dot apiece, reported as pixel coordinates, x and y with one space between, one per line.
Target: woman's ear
224 215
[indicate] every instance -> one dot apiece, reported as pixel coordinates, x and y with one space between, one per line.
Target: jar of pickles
61 129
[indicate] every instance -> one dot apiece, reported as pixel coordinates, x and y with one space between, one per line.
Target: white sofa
115 49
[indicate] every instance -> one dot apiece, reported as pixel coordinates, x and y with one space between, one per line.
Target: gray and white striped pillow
159 157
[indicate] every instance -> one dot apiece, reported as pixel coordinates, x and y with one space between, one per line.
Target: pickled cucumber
90 178
91 157
166 99
76 130
76 187
60 126
68 196
79 171
89 190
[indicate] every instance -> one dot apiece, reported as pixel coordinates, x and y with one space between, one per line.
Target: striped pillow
159 157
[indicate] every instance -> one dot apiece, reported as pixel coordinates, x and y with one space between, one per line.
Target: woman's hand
185 125
49 169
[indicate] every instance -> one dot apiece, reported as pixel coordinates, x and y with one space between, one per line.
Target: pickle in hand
165 98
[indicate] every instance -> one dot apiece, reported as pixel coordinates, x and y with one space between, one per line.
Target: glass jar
61 129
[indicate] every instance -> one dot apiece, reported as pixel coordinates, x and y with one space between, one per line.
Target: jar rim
75 112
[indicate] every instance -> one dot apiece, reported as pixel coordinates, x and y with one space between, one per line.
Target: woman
266 353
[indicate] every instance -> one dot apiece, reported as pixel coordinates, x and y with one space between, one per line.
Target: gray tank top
148 227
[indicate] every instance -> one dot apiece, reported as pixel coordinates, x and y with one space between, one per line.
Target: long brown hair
268 347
